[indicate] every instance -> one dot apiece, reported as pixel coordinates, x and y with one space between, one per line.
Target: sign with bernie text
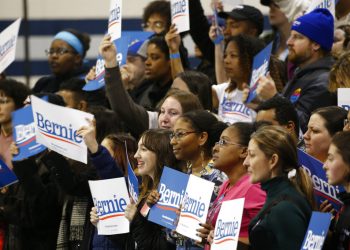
317 231
133 183
110 198
323 190
228 225
194 207
7 176
172 186
325 4
24 134
56 128
260 67
344 98
115 19
180 15
8 41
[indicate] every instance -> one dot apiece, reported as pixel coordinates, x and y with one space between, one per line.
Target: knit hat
318 26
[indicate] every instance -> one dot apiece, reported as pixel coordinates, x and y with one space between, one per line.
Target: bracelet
174 56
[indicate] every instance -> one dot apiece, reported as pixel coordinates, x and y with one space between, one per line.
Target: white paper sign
344 98
115 19
110 197
228 225
195 206
326 4
8 41
56 128
180 15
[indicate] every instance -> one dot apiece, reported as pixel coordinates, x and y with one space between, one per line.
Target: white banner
110 198
195 206
115 19
56 128
8 41
180 15
228 225
326 4
344 98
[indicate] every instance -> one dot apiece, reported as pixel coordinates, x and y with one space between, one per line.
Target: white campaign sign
344 98
180 15
195 205
228 225
56 128
8 41
110 197
325 4
115 19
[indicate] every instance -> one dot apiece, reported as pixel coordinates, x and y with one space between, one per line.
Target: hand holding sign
266 87
108 51
173 39
94 216
88 132
130 210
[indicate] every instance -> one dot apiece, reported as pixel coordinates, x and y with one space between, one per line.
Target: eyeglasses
346 122
4 100
223 143
58 51
156 24
180 134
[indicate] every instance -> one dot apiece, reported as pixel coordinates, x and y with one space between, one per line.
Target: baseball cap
248 13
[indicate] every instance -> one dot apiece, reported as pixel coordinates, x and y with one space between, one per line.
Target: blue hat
136 48
318 26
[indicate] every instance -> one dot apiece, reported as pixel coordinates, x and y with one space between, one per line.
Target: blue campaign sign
323 190
260 68
7 177
172 187
24 134
133 183
137 35
122 51
317 231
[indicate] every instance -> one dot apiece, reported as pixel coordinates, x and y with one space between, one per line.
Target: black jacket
308 89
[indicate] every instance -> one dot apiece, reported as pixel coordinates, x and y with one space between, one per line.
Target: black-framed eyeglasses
156 24
223 143
346 122
58 51
180 134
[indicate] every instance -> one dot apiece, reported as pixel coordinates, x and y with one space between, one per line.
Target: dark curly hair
15 90
248 47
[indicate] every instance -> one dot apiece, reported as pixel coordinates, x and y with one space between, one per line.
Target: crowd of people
195 120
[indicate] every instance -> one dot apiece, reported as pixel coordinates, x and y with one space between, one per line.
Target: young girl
227 97
153 153
337 167
228 156
272 161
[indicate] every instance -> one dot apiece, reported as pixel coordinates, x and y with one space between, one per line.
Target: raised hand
108 51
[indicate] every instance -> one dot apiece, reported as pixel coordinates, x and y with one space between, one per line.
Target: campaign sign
195 205
344 98
133 183
317 231
8 41
325 4
180 15
323 190
110 197
171 188
24 134
260 68
56 128
228 225
115 19
122 51
7 177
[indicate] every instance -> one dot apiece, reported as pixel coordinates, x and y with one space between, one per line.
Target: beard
300 57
